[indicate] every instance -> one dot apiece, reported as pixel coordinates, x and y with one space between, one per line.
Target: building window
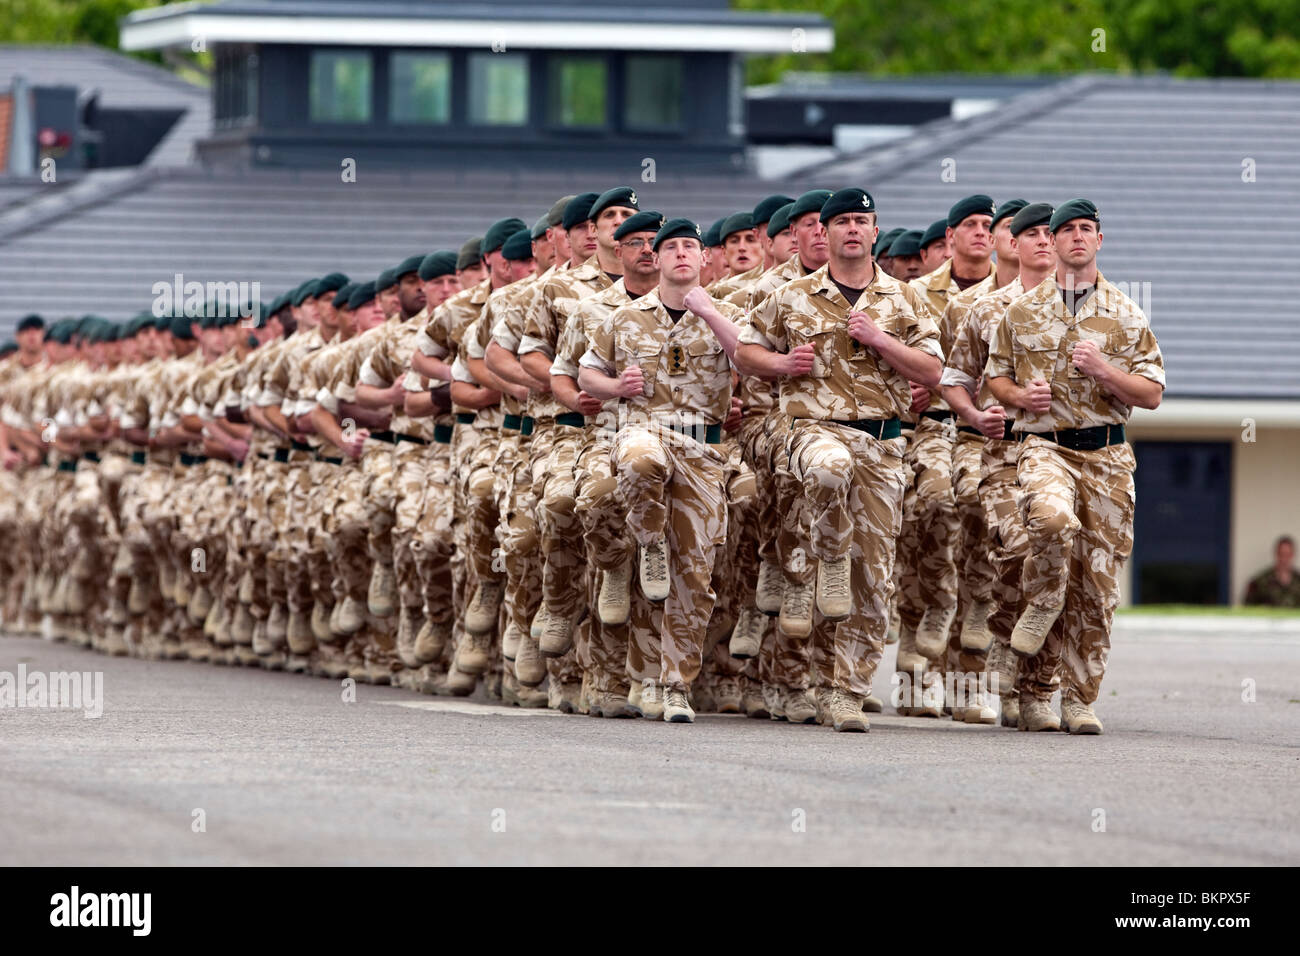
498 89
652 98
235 84
576 91
340 87
419 88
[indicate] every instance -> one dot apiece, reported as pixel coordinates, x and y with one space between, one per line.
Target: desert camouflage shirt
687 372
970 349
849 381
388 362
1034 339
511 318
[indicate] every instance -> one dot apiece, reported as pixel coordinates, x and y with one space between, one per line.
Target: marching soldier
1074 356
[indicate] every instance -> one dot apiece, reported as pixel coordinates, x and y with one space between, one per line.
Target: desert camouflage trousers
604 650
1078 514
674 487
927 574
854 485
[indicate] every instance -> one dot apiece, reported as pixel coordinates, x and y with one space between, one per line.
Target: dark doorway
1180 548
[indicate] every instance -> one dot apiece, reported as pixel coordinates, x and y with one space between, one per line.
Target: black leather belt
390 437
301 446
138 458
282 455
572 419
938 416
464 418
187 459
511 422
878 428
67 466
415 439
712 433
442 434
91 456
1007 434
907 426
328 460
1082 439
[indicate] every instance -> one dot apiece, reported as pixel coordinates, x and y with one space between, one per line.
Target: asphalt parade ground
197 764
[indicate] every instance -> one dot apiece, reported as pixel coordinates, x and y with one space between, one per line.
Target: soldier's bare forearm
1134 390
538 367
1008 392
431 367
565 390
597 383
469 395
757 361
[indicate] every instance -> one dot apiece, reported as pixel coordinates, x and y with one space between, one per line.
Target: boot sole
851 727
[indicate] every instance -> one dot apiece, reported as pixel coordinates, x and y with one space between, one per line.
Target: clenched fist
632 382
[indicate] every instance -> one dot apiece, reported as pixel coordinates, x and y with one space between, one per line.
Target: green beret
908 243
539 228
885 240
8 347
409 264
623 196
32 321
1008 209
763 211
259 315
647 220
678 227
363 294
499 232
56 331
852 199
331 283
977 205
811 201
779 220
1034 214
470 254
386 279
555 215
934 232
578 209
710 237
209 321
519 246
736 222
341 297
180 327
279 302
436 264
1074 209
308 288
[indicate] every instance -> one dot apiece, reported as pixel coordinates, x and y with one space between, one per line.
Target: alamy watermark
219 300
57 690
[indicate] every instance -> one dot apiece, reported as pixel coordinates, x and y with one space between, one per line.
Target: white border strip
150 33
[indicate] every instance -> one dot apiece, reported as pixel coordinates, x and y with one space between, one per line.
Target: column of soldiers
612 463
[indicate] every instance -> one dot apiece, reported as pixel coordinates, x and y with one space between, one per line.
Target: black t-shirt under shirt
675 313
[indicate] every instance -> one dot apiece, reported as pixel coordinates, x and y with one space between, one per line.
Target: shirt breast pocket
645 355
1036 354
821 334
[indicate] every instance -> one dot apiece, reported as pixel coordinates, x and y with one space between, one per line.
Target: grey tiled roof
279 227
122 82
1162 158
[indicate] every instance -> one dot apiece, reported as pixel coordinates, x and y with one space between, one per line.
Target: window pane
653 92
340 87
420 88
577 91
498 89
